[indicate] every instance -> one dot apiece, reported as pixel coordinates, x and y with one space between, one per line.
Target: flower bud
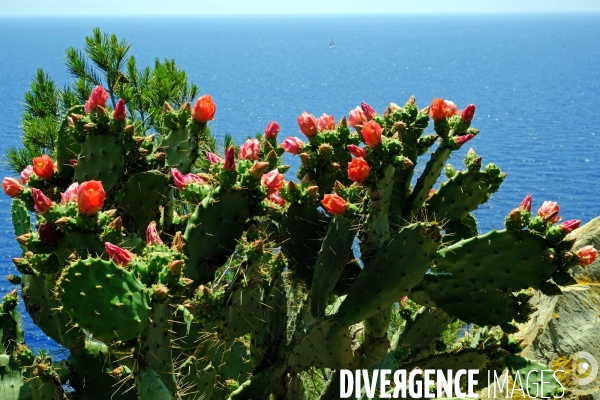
70 195
356 151
272 181
570 226
326 123
42 204
526 203
167 108
204 109
304 158
26 173
312 191
334 204
120 112
468 113
271 130
120 256
308 124
152 236
97 99
586 255
178 242
258 169
213 158
292 145
12 187
368 111
229 164
249 150
175 267
356 117
460 140
371 132
549 212
49 235
161 292
276 198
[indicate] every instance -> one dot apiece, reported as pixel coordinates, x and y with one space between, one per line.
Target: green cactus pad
468 302
20 217
100 150
214 228
43 308
66 147
12 385
259 386
522 366
151 387
463 359
392 272
462 194
302 229
181 149
105 299
333 257
158 345
421 331
141 197
196 383
460 230
324 344
84 244
10 332
508 261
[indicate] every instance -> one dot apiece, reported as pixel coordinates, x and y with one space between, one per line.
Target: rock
567 324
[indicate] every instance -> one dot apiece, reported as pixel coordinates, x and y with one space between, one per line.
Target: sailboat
331 44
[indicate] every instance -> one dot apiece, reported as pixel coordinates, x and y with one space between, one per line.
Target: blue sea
535 79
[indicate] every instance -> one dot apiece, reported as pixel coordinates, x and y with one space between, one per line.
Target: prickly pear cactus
172 272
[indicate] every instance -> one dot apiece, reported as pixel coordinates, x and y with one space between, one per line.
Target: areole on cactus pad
170 269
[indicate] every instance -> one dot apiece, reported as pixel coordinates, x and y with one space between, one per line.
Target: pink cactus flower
152 236
368 110
468 113
526 203
26 173
570 225
292 145
120 112
249 150
357 151
272 180
70 195
586 255
272 130
97 99
308 124
276 198
42 204
549 212
229 164
12 187
326 123
213 158
120 256
356 117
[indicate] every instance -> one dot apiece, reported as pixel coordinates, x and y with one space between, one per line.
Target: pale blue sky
195 7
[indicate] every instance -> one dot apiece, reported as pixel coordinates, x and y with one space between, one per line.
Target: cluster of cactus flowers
173 272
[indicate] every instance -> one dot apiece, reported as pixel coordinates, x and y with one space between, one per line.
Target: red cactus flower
371 132
468 113
204 109
308 124
334 204
356 151
292 145
460 140
97 99
271 130
586 255
181 180
48 234
42 204
326 123
526 203
152 236
570 225
368 110
26 173
249 150
120 256
229 164
549 212
70 195
272 180
12 187
90 197
43 166
213 158
120 112
358 170
442 109
356 117
276 198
